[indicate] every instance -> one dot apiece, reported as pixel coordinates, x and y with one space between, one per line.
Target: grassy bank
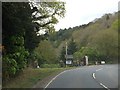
31 76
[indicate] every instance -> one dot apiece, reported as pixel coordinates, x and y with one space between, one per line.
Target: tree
14 53
45 53
92 53
47 14
21 26
44 16
107 44
72 47
62 55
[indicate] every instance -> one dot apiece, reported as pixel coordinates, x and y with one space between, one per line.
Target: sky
80 12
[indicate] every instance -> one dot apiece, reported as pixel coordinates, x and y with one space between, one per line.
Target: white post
86 59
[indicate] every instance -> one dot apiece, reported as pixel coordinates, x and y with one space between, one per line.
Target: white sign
68 62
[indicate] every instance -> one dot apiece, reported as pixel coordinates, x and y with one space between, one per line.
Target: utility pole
66 52
66 48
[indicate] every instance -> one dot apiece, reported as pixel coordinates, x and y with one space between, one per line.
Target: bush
50 66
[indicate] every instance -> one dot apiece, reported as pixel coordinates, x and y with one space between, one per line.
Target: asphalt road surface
99 76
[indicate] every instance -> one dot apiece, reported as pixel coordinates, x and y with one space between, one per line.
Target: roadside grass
30 77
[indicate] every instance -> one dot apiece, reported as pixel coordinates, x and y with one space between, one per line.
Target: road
98 76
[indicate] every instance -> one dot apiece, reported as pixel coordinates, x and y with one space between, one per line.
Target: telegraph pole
66 48
66 52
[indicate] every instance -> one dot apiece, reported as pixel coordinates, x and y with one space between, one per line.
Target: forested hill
98 38
102 23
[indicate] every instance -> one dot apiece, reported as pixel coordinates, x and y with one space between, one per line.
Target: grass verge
31 76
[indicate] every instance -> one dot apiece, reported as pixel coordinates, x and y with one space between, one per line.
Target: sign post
68 57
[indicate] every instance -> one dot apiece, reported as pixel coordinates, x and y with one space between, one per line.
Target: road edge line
54 78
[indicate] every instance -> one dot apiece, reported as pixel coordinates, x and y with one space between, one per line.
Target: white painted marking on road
99 69
104 86
94 76
54 79
100 83
57 76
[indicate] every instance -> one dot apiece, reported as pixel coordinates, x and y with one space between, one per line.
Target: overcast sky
80 12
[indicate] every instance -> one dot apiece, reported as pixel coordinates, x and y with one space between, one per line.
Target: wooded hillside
98 39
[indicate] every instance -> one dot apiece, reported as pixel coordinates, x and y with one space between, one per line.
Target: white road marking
96 71
100 83
73 69
57 76
104 86
54 79
99 69
94 76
